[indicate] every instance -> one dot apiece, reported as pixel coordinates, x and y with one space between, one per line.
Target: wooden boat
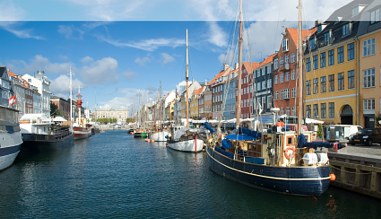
277 160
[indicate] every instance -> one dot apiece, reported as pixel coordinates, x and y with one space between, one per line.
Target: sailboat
276 160
186 139
160 135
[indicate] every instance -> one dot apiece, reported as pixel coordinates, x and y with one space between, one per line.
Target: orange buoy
332 177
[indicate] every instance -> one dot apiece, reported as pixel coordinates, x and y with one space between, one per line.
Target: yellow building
370 64
331 93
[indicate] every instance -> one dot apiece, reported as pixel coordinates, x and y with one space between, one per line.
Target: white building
43 85
120 115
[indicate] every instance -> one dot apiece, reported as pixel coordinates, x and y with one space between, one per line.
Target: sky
121 51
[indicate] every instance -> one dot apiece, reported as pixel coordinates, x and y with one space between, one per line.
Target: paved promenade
373 151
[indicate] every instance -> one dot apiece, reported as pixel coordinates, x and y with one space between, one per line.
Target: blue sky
120 48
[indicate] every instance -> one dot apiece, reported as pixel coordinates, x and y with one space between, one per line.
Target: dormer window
356 10
312 43
346 29
285 44
375 16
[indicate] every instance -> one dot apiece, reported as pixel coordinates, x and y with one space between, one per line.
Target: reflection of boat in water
38 132
276 160
10 136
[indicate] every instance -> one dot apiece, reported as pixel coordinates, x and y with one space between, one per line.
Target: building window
351 51
323 60
293 57
331 57
287 76
281 61
264 85
316 85
340 54
285 44
308 111
276 95
340 81
323 108
269 83
269 101
369 46
293 74
351 79
346 29
316 61
293 92
308 65
369 104
375 16
331 82
281 77
276 79
308 87
323 84
331 109
286 59
316 110
275 63
369 77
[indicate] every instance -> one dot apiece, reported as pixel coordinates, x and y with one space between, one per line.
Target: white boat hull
194 145
159 136
10 144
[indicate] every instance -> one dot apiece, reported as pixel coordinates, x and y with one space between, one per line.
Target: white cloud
39 62
99 71
146 45
143 60
166 58
10 12
16 29
60 86
70 32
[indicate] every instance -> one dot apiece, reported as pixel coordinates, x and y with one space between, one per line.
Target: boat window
290 141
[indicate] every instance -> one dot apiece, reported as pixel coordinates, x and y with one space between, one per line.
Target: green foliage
130 120
106 120
54 111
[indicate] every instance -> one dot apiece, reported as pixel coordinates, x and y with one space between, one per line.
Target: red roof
250 66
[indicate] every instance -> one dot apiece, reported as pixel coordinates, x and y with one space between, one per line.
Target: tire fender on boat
287 154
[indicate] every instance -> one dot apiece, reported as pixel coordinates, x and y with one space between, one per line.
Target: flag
12 100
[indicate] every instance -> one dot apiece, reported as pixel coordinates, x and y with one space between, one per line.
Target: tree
54 111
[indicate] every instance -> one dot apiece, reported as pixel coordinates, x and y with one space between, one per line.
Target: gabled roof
250 66
293 33
199 91
220 74
267 60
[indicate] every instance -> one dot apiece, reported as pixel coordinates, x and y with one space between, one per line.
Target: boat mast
71 101
300 68
238 104
186 78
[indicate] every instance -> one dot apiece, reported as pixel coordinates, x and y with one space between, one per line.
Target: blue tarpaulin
208 126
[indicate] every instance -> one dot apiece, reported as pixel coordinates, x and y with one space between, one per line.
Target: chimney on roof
226 66
236 65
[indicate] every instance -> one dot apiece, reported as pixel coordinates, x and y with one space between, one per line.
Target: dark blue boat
294 180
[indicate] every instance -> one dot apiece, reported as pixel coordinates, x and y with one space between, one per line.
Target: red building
247 88
286 72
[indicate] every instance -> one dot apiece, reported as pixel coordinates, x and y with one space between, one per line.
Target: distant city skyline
114 60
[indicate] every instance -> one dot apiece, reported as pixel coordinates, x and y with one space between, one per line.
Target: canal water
113 175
